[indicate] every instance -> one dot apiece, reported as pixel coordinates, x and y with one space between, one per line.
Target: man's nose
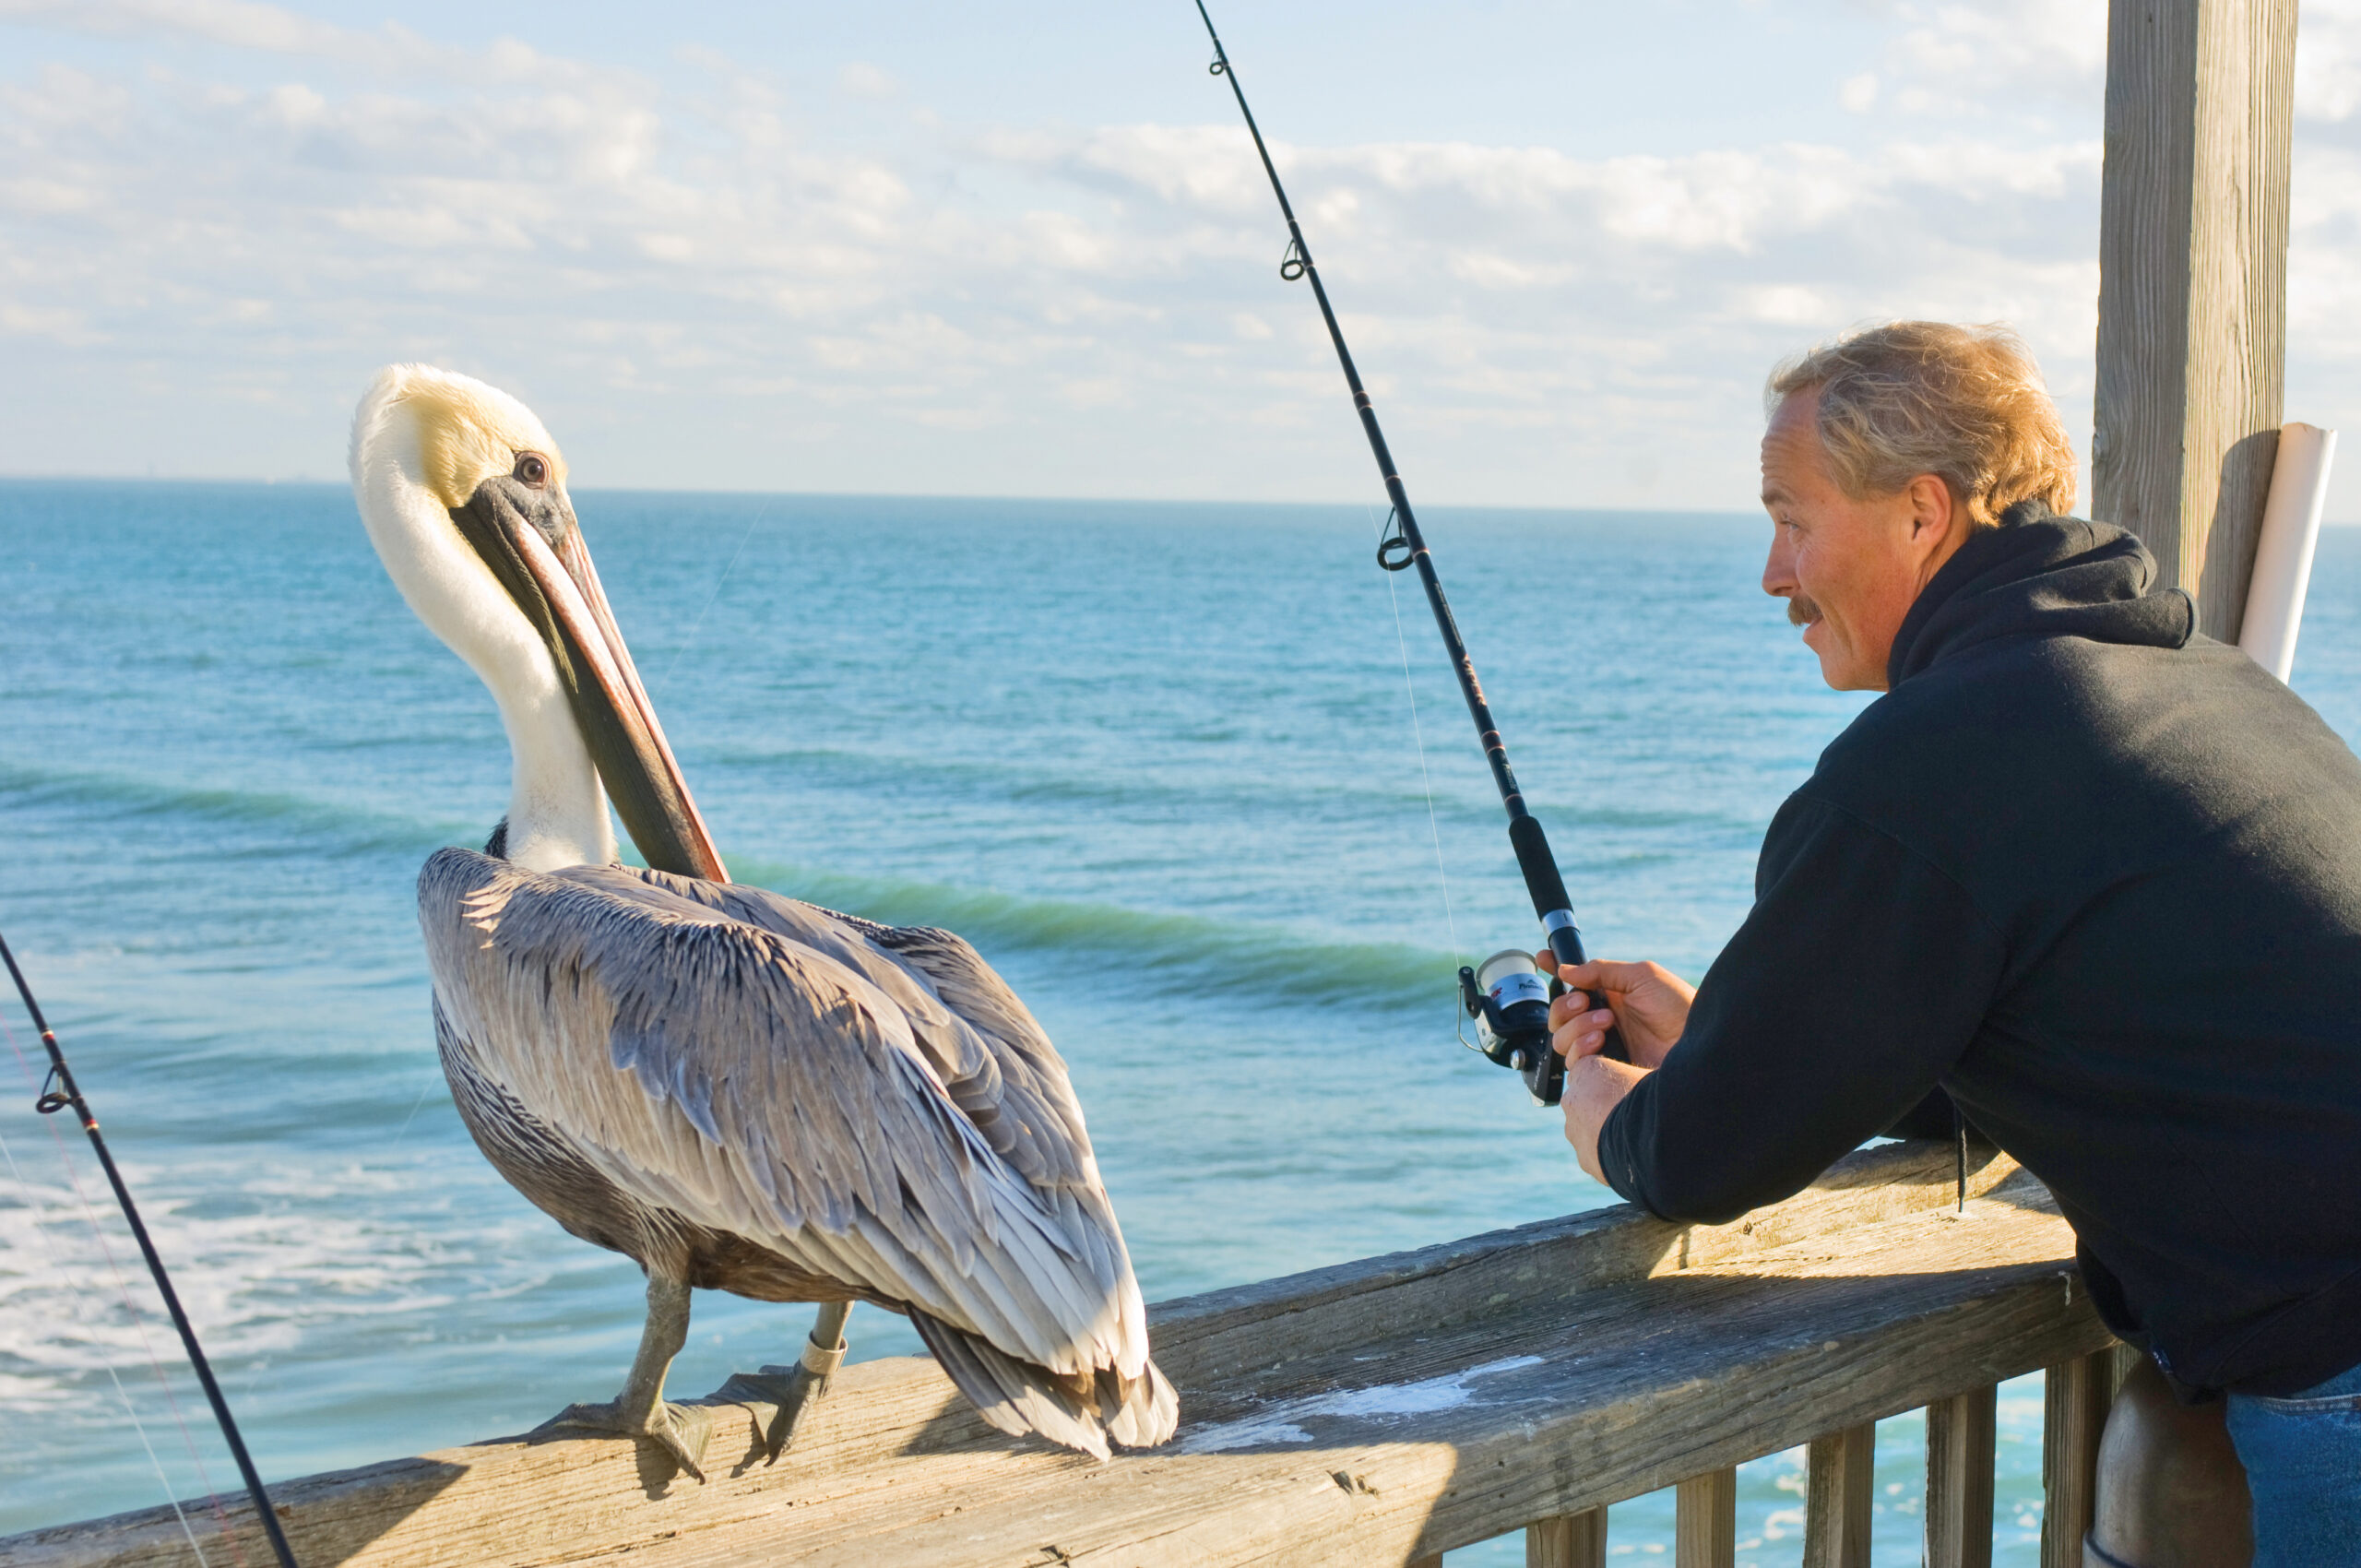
1779 568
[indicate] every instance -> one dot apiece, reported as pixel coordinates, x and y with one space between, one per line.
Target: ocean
1192 776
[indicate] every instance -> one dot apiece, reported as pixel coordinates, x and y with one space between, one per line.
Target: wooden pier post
1839 1472
1960 1432
1570 1540
2074 1410
1704 1521
2193 285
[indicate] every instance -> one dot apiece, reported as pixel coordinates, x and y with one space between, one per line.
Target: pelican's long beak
529 538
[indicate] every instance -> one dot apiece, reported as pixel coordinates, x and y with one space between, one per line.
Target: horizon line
1748 513
308 483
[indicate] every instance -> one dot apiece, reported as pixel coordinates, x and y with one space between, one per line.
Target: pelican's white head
463 493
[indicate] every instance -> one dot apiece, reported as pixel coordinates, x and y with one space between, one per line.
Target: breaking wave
1159 952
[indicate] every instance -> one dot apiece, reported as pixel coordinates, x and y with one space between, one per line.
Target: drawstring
1959 1142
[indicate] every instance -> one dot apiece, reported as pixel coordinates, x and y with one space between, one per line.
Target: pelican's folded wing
993 1058
1036 1105
981 1041
756 1085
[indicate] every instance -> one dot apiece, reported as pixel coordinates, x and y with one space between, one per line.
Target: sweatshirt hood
2038 574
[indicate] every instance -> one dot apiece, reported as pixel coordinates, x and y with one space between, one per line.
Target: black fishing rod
58 1092
1505 994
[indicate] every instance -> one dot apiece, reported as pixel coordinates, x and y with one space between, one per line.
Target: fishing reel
1510 999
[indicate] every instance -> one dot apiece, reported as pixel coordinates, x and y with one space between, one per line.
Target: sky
1024 248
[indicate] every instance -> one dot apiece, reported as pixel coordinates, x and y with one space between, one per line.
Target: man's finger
1593 975
1563 1008
1612 974
1583 1034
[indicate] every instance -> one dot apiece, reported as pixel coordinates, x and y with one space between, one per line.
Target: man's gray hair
1965 404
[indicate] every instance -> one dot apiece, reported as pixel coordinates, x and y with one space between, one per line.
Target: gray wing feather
796 1077
995 1059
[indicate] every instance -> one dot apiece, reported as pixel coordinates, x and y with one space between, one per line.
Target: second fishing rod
1505 994
60 1092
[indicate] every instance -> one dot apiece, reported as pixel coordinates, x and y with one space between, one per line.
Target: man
2088 877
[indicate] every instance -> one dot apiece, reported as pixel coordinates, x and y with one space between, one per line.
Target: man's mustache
1801 610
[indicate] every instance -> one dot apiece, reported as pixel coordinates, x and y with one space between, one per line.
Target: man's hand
1647 1000
1651 1004
1594 1085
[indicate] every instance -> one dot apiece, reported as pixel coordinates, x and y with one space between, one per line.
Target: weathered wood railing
1381 1411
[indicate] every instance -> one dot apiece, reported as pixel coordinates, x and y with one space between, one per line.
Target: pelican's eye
531 468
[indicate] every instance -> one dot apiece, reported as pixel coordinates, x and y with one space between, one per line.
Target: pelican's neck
557 813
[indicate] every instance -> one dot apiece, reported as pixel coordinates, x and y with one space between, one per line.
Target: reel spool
1509 999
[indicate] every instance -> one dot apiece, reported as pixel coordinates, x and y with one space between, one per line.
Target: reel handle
1546 1077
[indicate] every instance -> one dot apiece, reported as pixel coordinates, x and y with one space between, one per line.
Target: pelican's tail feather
1080 1410
1147 1407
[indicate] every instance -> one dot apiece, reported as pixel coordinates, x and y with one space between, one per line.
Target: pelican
736 1090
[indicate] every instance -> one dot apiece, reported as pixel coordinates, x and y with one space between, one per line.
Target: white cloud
2327 60
714 281
1996 53
233 22
862 79
598 240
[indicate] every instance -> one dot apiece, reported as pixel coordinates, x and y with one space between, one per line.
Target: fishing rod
1505 994
59 1091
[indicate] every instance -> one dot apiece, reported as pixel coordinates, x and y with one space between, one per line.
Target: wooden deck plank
1377 1412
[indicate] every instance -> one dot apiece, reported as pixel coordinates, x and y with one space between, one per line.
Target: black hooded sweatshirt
2099 879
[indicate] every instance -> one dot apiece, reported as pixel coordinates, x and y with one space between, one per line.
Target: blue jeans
2303 1460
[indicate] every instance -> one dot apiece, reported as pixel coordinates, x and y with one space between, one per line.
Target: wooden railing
1381 1411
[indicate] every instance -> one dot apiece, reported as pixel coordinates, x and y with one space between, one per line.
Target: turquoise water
1156 761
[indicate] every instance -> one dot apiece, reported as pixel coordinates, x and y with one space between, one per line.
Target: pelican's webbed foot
680 1430
640 1411
796 1388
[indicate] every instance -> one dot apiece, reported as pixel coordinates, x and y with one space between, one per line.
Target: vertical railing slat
1837 1494
2074 1414
1570 1540
1704 1531
1960 1432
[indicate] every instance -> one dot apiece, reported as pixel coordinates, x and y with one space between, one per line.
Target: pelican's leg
640 1411
796 1389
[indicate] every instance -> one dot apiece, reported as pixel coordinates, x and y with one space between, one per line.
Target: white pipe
2283 557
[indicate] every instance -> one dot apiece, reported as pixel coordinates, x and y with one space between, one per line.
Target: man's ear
1935 514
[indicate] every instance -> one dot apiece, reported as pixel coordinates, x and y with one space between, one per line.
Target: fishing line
83 1312
690 636
131 1313
417 1104
60 1092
